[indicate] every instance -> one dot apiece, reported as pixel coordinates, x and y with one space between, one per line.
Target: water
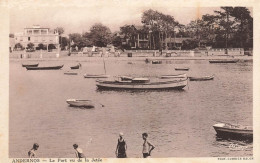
179 123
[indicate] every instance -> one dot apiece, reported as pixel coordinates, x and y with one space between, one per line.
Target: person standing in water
147 146
32 152
121 147
78 151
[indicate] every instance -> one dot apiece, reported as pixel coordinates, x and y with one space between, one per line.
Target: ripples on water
179 123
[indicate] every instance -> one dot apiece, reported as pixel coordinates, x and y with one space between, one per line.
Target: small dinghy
45 68
233 131
70 73
96 76
203 78
173 76
76 67
156 62
224 61
30 65
81 103
182 68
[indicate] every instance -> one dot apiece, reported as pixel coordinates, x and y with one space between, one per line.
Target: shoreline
122 58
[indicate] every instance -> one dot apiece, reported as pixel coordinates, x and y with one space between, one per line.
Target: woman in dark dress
121 147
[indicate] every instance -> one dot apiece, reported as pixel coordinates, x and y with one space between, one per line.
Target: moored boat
203 78
156 62
224 61
45 68
182 68
173 76
96 76
80 103
233 131
76 67
141 84
70 73
30 65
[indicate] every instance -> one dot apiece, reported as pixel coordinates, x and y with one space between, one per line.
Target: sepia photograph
130 79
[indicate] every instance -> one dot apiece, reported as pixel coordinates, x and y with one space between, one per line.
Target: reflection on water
179 123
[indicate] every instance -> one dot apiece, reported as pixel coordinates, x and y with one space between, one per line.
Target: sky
78 16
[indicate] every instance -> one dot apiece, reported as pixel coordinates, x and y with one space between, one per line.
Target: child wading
79 151
147 146
32 152
121 147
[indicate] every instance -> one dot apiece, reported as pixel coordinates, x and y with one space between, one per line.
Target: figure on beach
147 146
121 147
78 151
32 152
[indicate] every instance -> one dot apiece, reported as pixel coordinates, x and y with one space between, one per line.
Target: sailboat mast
104 65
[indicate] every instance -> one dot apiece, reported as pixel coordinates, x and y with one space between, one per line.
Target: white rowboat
80 103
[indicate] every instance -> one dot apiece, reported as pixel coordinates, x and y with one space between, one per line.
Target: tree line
229 27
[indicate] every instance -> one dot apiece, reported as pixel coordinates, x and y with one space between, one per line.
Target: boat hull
81 103
182 69
45 68
30 65
176 84
223 61
95 76
156 62
75 67
201 78
173 76
70 73
234 133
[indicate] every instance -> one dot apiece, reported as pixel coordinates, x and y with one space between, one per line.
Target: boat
233 131
182 68
141 84
45 68
76 67
203 78
96 76
30 65
80 103
70 73
173 76
156 62
224 61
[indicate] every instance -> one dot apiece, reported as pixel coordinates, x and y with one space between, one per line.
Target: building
175 42
37 35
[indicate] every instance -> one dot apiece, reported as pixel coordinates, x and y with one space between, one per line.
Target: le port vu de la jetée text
58 160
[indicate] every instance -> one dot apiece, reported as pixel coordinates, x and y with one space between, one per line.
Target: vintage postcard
126 81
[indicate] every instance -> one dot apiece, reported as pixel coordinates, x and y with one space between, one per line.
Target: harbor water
178 122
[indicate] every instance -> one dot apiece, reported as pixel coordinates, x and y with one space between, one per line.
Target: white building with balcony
37 35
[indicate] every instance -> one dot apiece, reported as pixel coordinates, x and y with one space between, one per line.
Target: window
29 38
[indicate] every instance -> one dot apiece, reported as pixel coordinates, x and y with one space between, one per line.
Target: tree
64 42
189 44
225 22
18 46
41 47
130 33
60 30
116 41
11 35
51 46
150 18
30 46
100 35
244 28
